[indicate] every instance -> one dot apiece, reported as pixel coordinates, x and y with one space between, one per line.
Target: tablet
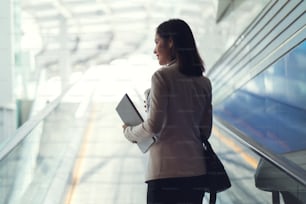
128 111
131 116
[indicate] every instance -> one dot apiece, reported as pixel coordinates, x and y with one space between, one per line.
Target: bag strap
212 195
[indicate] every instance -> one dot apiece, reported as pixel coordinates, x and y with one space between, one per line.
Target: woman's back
179 151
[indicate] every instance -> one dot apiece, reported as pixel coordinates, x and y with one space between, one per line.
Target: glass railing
36 163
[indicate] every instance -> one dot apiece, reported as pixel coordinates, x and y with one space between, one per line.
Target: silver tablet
128 111
131 116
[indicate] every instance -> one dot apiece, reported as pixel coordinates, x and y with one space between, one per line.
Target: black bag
217 178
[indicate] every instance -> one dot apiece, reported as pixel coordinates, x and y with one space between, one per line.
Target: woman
180 114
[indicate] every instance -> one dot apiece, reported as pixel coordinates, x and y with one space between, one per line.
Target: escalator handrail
287 166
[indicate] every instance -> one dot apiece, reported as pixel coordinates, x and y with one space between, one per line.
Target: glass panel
41 164
271 110
271 107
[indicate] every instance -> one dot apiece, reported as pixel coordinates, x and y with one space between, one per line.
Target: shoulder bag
217 178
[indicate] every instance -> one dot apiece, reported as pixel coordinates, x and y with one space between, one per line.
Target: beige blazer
180 112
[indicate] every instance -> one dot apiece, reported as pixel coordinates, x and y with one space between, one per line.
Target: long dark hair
184 47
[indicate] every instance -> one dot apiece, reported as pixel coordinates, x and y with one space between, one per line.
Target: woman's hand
125 126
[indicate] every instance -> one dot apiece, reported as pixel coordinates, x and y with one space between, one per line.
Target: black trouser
176 191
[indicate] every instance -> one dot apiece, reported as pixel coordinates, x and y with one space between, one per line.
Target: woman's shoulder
166 70
159 75
163 75
206 79
205 82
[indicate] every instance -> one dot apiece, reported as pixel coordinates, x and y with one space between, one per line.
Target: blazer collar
171 62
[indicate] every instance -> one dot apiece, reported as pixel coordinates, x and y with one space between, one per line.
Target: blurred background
65 64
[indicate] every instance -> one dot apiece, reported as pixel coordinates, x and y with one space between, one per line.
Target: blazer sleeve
157 112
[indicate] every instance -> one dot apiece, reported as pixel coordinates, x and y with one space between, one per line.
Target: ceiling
98 31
